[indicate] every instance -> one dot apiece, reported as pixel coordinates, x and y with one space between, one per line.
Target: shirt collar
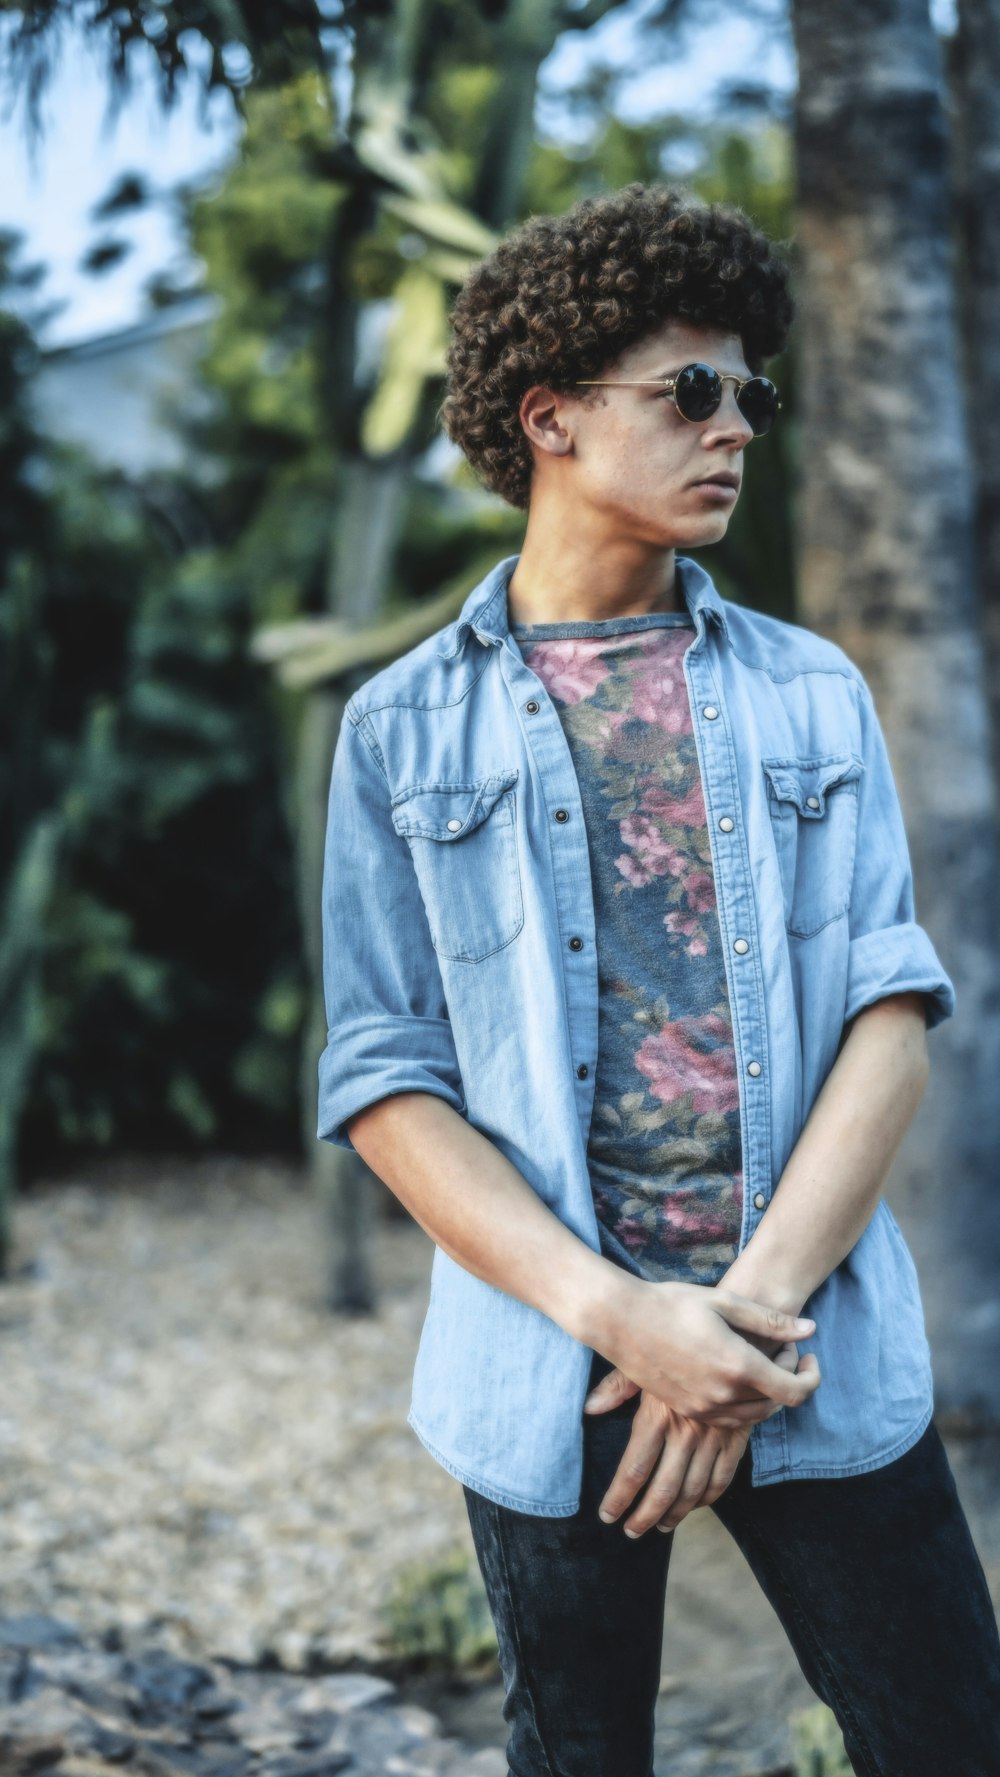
484 613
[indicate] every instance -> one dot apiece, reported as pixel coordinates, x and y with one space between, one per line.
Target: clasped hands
710 1364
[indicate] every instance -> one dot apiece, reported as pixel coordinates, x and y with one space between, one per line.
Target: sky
49 194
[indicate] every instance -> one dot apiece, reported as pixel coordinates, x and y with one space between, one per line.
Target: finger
746 1411
687 1495
755 1317
786 1356
642 1453
669 1481
736 1415
791 1389
724 1468
612 1389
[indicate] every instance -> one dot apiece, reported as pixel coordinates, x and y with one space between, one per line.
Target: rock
164 1683
345 1690
36 1631
79 1708
21 1756
322 1765
419 1722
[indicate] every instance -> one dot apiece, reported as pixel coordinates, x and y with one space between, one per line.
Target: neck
571 571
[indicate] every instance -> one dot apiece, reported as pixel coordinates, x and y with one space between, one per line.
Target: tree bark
974 84
887 568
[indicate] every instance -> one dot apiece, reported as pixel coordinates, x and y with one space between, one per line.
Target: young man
627 1003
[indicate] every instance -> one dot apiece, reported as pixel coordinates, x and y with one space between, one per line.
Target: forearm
830 1187
670 1337
483 1213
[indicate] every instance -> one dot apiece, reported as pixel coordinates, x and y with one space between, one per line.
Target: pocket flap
805 782
449 811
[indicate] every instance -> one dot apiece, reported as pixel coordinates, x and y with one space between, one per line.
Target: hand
677 1341
683 1463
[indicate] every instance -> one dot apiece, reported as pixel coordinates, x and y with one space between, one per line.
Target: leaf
443 222
325 658
414 351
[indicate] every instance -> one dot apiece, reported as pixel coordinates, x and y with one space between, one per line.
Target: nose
727 421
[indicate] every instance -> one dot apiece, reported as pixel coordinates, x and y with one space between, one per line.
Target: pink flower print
690 1212
681 924
677 1060
632 870
631 1232
699 885
659 694
687 924
676 811
649 853
569 669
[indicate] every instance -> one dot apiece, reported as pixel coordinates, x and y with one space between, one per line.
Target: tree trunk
366 527
974 84
362 550
887 568
22 917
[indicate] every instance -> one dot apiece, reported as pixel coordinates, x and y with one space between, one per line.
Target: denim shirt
460 959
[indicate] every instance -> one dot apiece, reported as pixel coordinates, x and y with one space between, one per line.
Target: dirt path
192 1446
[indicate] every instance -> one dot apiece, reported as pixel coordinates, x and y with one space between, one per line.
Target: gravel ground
189 1441
192 1447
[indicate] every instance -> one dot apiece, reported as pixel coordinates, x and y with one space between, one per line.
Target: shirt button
741 945
453 826
710 711
532 706
812 801
753 1067
726 824
759 1200
582 1071
562 814
576 943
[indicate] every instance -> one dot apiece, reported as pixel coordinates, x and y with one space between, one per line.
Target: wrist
603 1301
770 1291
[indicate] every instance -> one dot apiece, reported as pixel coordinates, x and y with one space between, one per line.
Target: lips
723 480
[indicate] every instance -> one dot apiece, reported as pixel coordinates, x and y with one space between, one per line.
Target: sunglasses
696 392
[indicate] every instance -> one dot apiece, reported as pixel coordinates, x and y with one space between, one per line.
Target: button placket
733 869
513 667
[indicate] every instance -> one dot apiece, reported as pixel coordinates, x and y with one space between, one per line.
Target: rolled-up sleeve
387 1023
889 951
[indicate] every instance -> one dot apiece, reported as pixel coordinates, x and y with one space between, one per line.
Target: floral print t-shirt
664 1149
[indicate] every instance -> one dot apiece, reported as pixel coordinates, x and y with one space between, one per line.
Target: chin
696 536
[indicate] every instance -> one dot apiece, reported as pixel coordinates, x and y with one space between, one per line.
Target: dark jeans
874 1577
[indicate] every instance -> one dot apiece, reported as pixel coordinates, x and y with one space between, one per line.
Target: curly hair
562 296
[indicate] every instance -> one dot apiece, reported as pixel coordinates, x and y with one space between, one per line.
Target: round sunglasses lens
758 403
697 391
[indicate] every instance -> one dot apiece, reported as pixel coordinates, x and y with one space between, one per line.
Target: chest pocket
813 805
463 839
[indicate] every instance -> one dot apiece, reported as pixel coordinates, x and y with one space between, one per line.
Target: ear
544 414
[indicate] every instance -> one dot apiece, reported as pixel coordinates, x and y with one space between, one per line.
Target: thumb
612 1389
754 1317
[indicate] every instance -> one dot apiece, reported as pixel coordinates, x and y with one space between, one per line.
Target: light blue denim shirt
460 959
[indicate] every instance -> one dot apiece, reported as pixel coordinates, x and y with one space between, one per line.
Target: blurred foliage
139 735
438 1615
173 985
173 954
266 37
817 1743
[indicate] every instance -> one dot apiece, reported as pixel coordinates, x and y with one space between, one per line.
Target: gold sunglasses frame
669 383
